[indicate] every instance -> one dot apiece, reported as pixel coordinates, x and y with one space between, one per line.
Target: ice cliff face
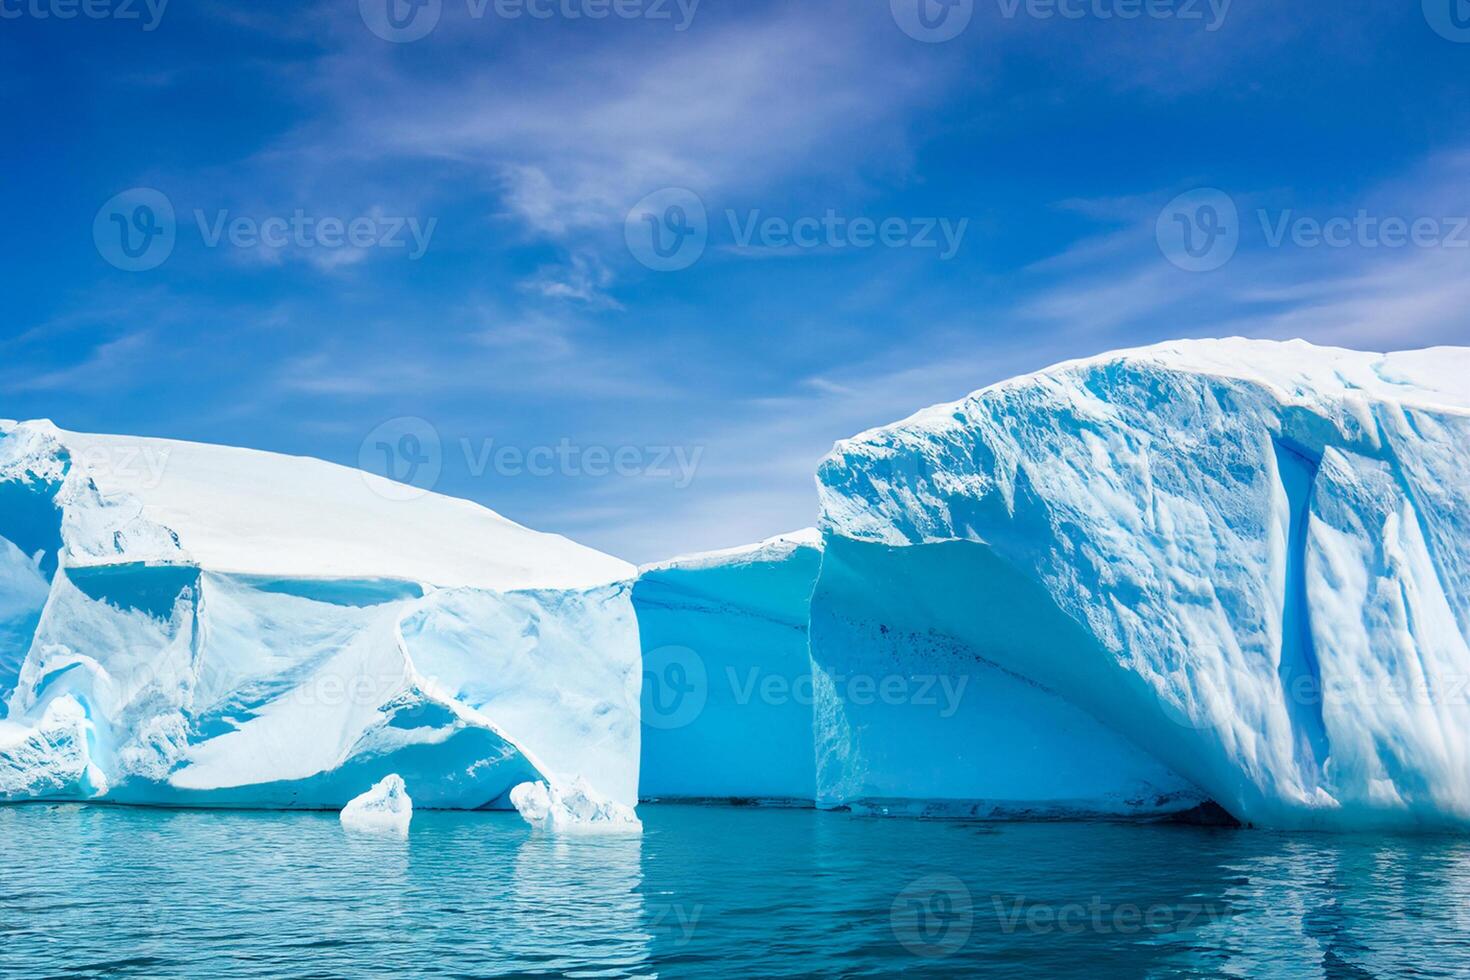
727 683
1240 566
1226 570
186 624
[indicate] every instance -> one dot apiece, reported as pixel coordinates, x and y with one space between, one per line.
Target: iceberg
572 808
385 808
183 624
727 681
1233 568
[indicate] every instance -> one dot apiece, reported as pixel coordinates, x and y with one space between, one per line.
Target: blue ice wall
727 686
30 540
914 712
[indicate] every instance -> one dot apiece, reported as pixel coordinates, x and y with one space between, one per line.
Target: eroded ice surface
1247 559
231 628
572 807
384 808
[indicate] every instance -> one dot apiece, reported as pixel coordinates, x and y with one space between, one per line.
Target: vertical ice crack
1299 670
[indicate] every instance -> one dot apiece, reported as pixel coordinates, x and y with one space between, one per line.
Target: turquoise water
716 892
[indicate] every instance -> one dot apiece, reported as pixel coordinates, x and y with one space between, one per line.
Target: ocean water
716 892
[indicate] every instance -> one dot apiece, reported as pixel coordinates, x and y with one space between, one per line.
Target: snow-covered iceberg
727 684
184 624
1239 566
385 808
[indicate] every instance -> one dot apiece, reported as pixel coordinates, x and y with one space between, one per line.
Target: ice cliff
727 685
195 625
1233 570
1240 566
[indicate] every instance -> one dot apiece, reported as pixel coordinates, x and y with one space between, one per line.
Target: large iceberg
727 681
184 624
1231 571
1235 567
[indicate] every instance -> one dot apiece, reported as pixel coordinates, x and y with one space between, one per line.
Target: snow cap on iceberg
245 511
772 549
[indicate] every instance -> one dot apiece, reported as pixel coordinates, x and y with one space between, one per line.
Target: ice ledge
772 549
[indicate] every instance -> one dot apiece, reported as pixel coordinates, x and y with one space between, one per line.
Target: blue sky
532 337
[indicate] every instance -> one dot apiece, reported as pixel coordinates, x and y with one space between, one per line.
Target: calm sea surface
716 892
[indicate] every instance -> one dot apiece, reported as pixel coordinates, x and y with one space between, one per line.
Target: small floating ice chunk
386 808
574 809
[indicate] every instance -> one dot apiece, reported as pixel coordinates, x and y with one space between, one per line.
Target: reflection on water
716 892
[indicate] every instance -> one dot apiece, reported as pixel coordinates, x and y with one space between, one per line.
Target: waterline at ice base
1208 576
